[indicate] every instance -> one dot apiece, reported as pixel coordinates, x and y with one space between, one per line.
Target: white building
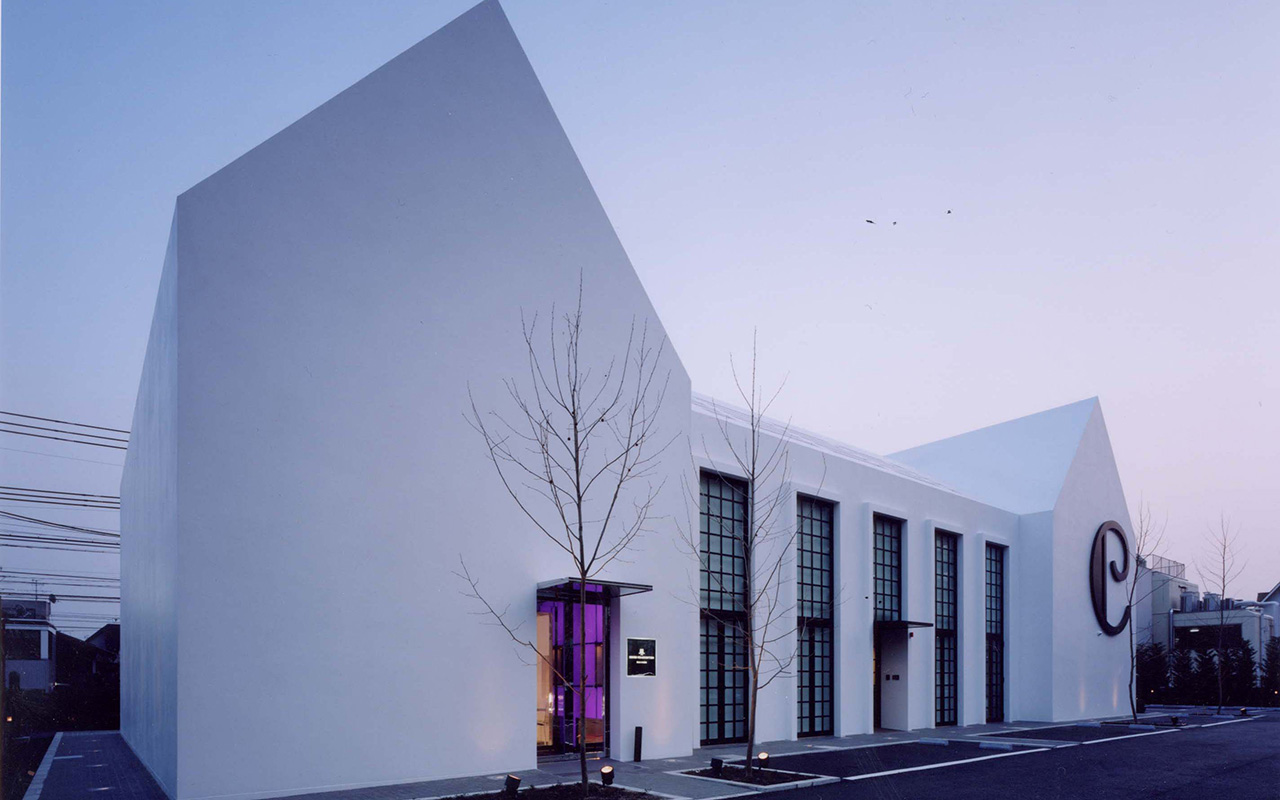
30 654
300 483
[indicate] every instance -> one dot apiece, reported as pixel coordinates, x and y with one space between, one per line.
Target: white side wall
149 547
1033 665
1091 671
860 491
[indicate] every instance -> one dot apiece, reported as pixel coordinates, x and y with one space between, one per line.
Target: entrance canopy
900 624
567 588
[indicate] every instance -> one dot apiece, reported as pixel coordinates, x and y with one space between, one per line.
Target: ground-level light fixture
717 767
512 785
762 760
606 775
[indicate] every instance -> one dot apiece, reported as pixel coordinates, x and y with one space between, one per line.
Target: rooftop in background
1168 566
13 609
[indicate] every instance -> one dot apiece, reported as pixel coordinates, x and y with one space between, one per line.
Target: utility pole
4 706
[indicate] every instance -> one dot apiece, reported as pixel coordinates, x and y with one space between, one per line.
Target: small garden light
512 785
762 760
717 767
606 775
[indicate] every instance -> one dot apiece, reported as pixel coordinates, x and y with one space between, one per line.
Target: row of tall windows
946 587
815 598
724 583
995 633
723 600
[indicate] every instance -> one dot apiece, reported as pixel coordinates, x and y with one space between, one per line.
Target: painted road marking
943 764
1228 722
1132 736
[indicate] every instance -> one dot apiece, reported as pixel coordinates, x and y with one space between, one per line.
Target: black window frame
946 628
724 516
886 566
995 628
815 599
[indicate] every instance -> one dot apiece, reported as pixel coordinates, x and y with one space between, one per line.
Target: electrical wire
62 422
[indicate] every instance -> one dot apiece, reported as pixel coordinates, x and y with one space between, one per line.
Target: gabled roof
709 406
1271 596
1018 465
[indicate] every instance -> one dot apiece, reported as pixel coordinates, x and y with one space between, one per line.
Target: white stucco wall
342 286
861 487
149 547
1091 671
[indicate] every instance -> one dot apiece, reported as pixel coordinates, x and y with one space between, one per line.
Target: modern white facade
300 483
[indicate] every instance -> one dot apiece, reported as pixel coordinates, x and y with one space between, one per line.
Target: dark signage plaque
641 658
1098 569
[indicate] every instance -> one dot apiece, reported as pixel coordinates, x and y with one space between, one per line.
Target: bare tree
766 624
1147 540
1220 571
577 453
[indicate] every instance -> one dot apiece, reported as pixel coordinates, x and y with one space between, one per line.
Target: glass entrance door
562 711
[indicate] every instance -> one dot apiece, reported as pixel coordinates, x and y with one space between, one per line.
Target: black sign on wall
641 658
1098 569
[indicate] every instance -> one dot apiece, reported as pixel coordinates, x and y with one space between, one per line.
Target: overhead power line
81 575
37 521
63 422
61 439
60 430
64 458
64 503
56 492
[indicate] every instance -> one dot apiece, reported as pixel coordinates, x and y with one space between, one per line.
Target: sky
937 216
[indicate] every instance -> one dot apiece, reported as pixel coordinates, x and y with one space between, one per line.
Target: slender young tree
1147 539
765 622
1218 573
577 451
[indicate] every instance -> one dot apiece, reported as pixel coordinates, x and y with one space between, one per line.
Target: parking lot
1236 758
1233 758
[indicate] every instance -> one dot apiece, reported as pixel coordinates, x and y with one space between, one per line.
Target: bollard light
512 785
606 775
717 767
762 760
1244 712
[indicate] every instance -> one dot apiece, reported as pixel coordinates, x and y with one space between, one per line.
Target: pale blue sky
1112 170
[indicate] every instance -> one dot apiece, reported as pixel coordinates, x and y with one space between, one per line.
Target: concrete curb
750 788
37 783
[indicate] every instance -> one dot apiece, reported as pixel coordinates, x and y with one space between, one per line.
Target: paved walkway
100 766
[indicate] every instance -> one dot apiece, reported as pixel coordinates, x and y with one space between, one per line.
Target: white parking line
943 764
1130 736
1211 724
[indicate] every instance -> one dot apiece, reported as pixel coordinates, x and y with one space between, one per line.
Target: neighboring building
299 485
1170 611
1162 587
107 639
1272 596
30 657
1196 623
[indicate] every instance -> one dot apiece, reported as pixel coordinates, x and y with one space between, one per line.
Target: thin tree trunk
1133 663
751 729
582 683
1222 662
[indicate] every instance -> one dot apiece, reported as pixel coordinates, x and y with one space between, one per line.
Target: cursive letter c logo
1098 569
